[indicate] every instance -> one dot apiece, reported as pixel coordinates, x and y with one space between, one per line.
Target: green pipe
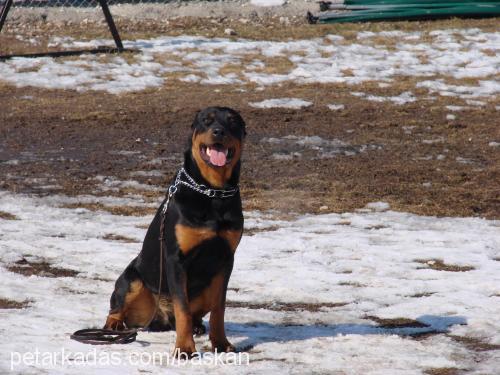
406 2
412 13
407 6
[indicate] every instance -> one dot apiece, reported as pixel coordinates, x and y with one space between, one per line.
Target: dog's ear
196 119
235 118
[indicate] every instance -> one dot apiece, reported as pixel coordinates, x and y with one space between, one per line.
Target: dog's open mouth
216 154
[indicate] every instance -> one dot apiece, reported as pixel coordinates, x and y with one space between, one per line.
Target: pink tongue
217 158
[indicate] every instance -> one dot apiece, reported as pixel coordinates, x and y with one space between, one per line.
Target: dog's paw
114 324
223 347
184 350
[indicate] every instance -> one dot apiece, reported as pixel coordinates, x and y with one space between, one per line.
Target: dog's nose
218 132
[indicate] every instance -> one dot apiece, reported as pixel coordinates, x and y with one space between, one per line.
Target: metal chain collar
200 188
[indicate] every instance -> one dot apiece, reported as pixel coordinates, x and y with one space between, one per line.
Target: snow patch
292 103
267 3
450 53
313 147
405 97
336 107
374 263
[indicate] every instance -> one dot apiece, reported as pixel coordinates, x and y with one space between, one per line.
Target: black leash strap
96 336
104 336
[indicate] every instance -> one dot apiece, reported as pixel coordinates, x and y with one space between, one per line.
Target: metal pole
5 11
111 24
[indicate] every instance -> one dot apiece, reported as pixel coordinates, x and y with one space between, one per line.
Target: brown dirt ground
64 138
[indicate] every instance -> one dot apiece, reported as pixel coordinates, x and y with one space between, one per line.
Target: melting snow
405 97
293 103
267 3
450 53
291 146
374 262
336 107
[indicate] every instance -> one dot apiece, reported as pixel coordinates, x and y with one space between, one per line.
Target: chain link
199 188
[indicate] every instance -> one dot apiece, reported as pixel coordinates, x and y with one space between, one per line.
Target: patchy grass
119 237
266 28
9 304
408 174
376 227
286 306
396 322
43 269
8 216
253 231
439 265
423 294
474 344
442 371
354 284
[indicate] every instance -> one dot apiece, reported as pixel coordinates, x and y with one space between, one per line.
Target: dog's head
216 144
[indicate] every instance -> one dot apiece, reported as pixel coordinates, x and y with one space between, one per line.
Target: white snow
293 103
375 261
336 107
403 98
291 146
267 3
430 56
455 108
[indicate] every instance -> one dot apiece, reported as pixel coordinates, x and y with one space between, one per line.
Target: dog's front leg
177 283
217 333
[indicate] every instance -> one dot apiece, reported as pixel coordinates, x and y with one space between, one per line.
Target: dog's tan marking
232 236
136 311
184 329
189 237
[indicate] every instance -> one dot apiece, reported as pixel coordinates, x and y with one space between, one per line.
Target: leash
96 336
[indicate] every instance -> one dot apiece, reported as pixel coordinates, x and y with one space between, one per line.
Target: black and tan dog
202 228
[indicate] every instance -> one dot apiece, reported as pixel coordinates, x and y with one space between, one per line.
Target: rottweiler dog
203 225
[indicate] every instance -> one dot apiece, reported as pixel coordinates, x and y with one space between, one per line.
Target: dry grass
8 216
284 306
253 231
119 238
9 304
396 322
267 29
44 269
352 283
395 173
439 265
474 344
442 371
420 295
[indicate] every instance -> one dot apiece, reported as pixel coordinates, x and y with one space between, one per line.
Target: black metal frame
107 15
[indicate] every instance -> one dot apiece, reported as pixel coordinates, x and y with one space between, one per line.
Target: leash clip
172 190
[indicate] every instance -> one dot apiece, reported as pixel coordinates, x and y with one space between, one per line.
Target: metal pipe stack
394 10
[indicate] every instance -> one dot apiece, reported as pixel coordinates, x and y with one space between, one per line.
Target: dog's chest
208 229
189 237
